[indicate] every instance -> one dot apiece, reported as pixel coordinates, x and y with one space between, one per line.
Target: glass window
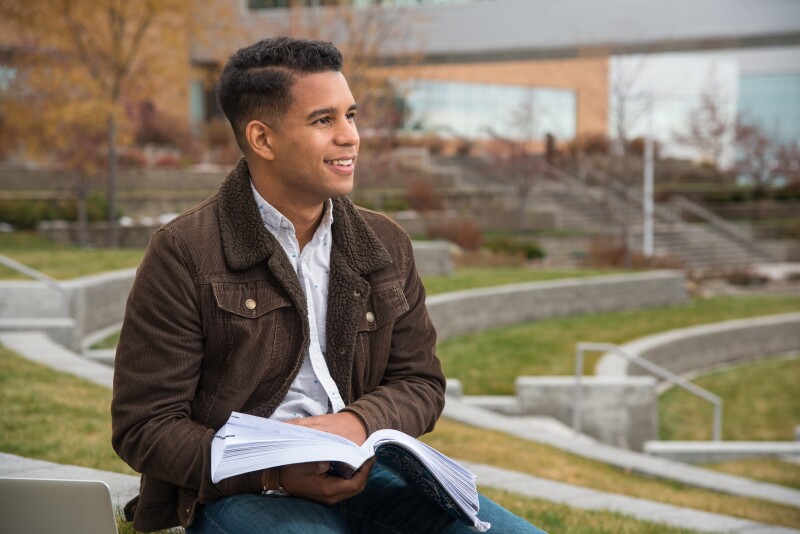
479 111
773 102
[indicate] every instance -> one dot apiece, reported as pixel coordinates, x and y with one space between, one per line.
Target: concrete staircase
597 205
607 210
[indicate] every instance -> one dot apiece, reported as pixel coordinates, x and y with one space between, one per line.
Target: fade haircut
256 83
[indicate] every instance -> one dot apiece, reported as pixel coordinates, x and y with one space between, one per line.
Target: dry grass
501 450
55 417
769 470
760 403
561 519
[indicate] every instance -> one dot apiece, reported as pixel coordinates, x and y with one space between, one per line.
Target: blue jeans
387 506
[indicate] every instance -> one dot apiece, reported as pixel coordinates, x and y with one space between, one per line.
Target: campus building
574 62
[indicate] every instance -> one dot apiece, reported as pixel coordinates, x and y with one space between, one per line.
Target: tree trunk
83 219
111 238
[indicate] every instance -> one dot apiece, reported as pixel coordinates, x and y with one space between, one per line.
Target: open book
249 443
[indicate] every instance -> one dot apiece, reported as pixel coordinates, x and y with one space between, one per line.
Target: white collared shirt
313 391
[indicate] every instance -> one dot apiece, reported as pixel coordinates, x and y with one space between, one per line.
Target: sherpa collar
246 242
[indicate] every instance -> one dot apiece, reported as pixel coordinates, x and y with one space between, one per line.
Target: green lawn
761 401
488 362
62 261
476 277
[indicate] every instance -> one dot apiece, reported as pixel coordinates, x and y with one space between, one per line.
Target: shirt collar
274 220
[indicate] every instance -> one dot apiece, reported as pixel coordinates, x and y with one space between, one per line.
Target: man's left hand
345 424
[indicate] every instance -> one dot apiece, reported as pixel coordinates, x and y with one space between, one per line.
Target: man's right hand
314 482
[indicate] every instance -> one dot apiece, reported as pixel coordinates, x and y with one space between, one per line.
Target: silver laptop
34 505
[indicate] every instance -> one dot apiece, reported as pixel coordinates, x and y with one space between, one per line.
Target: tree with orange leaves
78 64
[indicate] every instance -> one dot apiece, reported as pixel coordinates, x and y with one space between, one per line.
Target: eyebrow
326 111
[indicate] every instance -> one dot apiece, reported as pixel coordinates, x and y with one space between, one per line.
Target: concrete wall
462 312
621 411
433 258
82 306
689 349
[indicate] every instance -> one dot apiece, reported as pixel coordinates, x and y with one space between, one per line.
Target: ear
259 139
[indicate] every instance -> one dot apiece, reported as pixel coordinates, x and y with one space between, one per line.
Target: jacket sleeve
410 397
157 368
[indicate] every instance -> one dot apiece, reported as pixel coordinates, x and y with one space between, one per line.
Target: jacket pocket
385 304
248 299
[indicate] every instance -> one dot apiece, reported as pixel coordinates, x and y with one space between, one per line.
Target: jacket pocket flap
385 305
248 299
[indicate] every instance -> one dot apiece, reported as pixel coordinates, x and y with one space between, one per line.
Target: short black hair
257 80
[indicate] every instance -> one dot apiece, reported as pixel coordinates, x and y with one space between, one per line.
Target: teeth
340 162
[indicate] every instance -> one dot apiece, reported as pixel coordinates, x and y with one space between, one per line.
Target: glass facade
475 110
773 102
270 4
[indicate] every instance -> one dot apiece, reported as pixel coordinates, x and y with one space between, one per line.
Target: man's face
316 143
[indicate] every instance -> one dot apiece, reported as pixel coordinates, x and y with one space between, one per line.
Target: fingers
312 481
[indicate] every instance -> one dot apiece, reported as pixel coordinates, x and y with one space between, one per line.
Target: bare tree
711 127
516 160
762 161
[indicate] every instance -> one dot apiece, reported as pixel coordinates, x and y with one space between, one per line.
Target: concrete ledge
433 258
59 329
83 305
705 452
462 312
621 411
37 347
689 349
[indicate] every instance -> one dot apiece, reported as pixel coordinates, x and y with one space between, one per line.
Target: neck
304 216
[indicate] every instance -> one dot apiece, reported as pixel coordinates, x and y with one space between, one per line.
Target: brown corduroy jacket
192 350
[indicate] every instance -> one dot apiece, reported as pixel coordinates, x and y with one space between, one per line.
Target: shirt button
250 304
370 317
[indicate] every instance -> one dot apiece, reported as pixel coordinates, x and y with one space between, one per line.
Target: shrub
168 161
527 250
395 204
607 252
463 232
590 144
745 277
25 214
132 158
422 196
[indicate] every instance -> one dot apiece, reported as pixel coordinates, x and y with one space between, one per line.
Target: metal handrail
650 366
721 224
32 273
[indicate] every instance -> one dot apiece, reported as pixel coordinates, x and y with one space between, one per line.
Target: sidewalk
37 347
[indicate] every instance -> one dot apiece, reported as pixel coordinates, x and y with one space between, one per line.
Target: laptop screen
45 506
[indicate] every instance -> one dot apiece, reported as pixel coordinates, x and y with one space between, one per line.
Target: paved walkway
38 347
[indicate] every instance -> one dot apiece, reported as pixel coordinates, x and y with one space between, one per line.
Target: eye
323 120
351 116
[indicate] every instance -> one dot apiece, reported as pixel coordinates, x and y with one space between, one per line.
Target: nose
347 134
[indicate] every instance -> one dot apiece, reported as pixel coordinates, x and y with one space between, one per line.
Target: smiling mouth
340 162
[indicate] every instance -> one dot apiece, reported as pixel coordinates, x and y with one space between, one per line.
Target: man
278 297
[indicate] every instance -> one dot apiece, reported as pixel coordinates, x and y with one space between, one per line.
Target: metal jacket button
250 304
356 293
